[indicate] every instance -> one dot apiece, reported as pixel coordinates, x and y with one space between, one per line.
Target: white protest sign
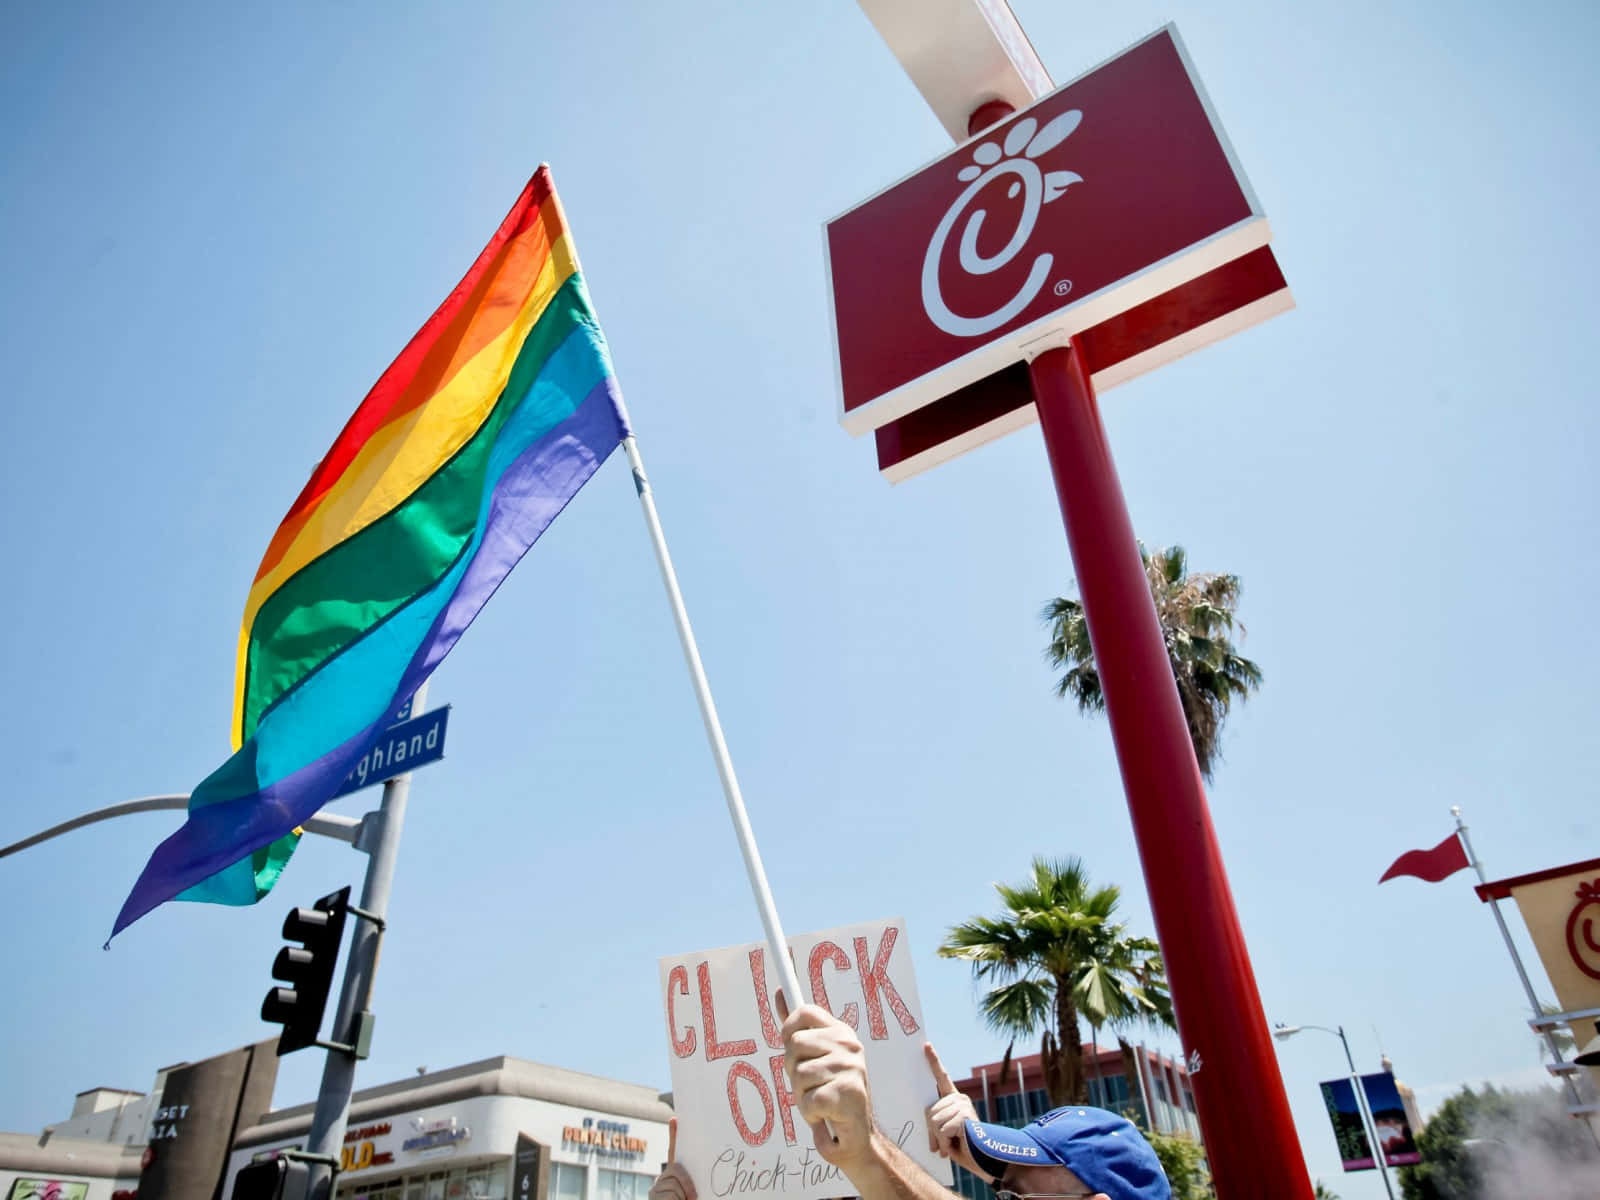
739 1133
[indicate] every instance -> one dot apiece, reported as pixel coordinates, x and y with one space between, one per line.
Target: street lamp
1284 1032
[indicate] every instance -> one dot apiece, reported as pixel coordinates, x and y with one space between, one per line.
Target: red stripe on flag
1448 857
376 409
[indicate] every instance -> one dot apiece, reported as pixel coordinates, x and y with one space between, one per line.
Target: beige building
489 1130
93 1155
498 1129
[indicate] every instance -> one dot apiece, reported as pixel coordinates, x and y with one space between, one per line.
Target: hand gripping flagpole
777 945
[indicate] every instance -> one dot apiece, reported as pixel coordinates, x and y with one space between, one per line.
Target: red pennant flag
1448 857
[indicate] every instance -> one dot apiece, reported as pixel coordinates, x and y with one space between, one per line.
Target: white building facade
497 1129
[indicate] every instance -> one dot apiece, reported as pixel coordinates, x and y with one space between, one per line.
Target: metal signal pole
352 1022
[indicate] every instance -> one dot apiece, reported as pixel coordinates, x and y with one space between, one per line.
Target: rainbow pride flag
474 439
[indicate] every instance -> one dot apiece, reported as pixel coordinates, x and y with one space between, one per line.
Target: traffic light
308 972
273 1179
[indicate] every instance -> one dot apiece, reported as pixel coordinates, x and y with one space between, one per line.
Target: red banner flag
1448 857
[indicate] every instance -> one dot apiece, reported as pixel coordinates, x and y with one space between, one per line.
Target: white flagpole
777 945
1494 905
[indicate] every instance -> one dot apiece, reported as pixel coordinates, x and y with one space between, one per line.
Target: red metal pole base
1244 1114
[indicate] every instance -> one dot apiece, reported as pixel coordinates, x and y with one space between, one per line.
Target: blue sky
220 225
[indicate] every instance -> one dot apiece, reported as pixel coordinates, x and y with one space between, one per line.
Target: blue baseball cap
1104 1150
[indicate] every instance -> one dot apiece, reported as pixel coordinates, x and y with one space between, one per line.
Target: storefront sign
1561 908
47 1189
737 1129
1105 194
603 1137
434 1138
1213 306
360 1151
164 1125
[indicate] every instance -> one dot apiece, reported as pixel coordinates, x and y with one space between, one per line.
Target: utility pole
352 1023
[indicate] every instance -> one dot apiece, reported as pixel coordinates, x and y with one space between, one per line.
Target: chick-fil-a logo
989 162
1581 941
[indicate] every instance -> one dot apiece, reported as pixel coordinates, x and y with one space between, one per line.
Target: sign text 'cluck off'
738 1129
1106 194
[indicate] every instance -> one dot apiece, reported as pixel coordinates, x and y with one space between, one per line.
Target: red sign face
1206 309
1106 194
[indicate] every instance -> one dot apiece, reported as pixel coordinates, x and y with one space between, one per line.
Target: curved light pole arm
328 824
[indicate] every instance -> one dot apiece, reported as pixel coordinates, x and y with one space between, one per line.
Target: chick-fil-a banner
739 1130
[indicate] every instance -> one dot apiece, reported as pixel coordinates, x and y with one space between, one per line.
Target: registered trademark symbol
1063 286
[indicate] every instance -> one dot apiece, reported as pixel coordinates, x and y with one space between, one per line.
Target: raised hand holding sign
827 1068
749 1126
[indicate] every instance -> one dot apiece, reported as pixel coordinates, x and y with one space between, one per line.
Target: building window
568 1182
385 1189
1109 1091
487 1182
621 1185
1008 1109
969 1185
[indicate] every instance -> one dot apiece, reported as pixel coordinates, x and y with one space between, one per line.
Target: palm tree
1197 620
1104 998
1054 953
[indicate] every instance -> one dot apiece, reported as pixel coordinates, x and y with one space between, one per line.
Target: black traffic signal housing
308 971
278 1178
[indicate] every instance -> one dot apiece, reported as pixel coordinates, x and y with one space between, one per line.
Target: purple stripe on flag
526 500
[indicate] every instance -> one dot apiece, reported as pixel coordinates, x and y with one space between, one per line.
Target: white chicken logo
1022 146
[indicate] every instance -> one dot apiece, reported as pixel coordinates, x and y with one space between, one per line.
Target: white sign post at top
739 1132
961 54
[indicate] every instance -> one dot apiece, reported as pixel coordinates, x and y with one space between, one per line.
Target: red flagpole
1250 1136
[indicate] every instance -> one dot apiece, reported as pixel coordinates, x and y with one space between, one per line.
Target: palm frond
1198 615
1019 1008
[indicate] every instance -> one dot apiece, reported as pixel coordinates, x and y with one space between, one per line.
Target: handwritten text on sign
738 1132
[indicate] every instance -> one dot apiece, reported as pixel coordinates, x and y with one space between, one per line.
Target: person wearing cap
1076 1151
1073 1153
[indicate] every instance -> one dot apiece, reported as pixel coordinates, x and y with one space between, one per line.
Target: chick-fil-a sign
739 1132
1110 191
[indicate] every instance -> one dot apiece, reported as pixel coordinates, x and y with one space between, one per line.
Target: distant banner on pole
1355 1151
1395 1137
738 1128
